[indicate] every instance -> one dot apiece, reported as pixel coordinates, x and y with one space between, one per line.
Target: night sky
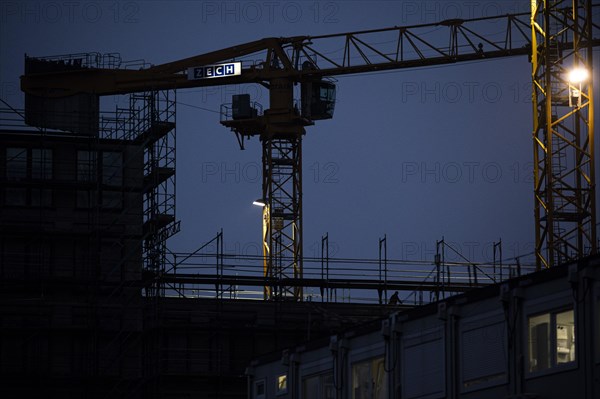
415 154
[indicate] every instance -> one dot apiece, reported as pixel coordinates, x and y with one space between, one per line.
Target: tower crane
556 35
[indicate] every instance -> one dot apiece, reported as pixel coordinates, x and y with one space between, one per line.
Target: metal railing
209 272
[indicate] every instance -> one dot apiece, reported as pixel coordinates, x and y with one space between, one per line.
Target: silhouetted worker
394 299
480 49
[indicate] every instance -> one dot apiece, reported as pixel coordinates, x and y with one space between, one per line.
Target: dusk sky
415 154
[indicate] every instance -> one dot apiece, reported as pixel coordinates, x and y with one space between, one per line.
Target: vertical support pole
329 296
443 262
383 267
439 250
497 261
325 267
219 255
322 268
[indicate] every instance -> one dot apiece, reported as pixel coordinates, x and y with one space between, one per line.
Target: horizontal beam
257 281
440 43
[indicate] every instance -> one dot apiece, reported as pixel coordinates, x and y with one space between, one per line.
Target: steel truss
563 131
282 226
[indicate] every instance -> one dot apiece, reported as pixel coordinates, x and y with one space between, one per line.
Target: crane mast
563 132
281 140
553 31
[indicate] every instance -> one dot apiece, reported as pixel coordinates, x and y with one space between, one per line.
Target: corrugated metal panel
483 352
423 365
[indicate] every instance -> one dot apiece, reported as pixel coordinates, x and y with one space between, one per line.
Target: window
27 165
565 337
84 199
369 379
16 170
327 93
112 168
41 163
551 340
86 172
15 196
112 199
41 197
86 166
281 387
18 158
112 176
16 163
110 164
259 389
111 259
318 386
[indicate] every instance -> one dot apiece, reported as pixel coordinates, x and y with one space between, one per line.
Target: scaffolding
149 122
117 171
211 273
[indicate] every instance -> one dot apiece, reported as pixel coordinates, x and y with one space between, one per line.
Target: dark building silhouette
70 261
84 312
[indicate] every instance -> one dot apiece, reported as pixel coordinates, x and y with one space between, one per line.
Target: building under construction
93 303
89 307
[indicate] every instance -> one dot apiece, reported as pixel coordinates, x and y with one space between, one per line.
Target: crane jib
215 71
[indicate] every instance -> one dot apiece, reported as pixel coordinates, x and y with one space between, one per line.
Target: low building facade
537 336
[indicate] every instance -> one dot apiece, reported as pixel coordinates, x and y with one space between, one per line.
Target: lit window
565 337
369 379
281 384
539 342
551 340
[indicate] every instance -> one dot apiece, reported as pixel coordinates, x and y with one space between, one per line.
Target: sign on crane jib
215 71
